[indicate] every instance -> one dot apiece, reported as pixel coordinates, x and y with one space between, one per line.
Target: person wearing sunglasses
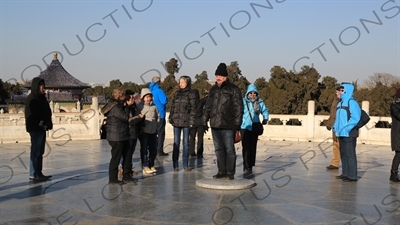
253 107
348 115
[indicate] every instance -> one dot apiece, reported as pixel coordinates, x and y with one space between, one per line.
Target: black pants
160 135
119 149
249 148
396 161
199 130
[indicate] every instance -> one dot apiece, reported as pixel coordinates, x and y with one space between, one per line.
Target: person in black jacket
118 136
134 118
198 129
395 136
224 109
182 117
37 122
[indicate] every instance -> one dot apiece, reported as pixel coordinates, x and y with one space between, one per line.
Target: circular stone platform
225 184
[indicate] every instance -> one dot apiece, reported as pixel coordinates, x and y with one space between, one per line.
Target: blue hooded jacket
159 98
246 121
343 125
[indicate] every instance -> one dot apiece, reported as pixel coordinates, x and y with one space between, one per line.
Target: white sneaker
147 170
153 169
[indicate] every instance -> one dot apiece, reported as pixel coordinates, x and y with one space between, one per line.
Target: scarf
256 105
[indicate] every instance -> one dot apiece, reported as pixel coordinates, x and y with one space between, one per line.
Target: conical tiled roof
55 76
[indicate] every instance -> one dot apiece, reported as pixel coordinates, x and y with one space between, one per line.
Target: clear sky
127 40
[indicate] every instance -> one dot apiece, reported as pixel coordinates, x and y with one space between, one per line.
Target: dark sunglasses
252 92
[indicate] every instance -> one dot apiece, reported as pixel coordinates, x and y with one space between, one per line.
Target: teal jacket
344 123
246 121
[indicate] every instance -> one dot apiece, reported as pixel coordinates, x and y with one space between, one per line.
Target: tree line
285 92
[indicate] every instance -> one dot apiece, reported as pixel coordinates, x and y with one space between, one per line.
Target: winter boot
393 176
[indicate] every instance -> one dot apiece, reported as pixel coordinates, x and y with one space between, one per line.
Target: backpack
364 118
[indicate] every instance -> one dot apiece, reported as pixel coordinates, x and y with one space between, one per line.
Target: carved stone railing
81 125
86 125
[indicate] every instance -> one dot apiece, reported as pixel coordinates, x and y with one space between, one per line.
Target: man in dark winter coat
224 109
37 122
395 136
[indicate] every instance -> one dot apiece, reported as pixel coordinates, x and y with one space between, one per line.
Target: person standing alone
37 122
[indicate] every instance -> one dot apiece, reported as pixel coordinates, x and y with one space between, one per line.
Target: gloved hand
328 128
264 122
170 121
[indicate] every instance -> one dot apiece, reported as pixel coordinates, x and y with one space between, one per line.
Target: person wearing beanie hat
221 70
148 131
160 100
395 136
224 110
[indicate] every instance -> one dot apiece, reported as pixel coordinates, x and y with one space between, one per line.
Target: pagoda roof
55 76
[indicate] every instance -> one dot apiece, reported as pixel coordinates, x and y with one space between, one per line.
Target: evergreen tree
201 83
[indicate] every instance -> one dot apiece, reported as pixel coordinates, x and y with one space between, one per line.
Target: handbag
238 138
257 127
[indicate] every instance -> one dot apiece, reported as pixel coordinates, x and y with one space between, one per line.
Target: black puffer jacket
37 108
183 109
224 107
117 120
395 131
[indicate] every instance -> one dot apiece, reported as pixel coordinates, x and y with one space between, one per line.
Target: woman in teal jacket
348 113
254 106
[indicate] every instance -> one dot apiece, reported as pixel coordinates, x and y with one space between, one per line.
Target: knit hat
156 79
221 70
398 93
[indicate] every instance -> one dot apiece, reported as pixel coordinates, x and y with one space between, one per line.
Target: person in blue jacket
160 100
348 114
255 106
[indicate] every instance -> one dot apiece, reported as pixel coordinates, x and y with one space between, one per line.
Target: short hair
118 93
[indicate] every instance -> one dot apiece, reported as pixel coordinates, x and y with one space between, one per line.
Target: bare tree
385 79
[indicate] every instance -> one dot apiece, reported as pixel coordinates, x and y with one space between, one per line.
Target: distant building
59 81
64 90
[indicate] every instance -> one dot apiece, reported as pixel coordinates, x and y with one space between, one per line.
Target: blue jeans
348 156
224 150
148 149
177 143
38 142
31 169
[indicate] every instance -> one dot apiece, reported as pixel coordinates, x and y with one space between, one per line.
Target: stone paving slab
292 187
